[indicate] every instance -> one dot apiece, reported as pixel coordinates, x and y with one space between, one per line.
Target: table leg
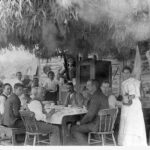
63 129
61 135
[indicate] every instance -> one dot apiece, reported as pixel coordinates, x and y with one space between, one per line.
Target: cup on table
69 106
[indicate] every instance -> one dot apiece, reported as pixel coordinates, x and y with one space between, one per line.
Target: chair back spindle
29 121
107 119
32 129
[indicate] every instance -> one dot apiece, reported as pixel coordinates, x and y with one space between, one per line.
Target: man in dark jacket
11 116
90 121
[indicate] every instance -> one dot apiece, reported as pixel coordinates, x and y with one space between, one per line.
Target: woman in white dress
132 127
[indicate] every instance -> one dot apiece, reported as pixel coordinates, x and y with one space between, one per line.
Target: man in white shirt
36 106
50 83
3 97
51 86
18 79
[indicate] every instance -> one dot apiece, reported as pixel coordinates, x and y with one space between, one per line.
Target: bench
7 133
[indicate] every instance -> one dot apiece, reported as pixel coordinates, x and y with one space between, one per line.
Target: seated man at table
73 98
90 121
105 88
36 106
11 116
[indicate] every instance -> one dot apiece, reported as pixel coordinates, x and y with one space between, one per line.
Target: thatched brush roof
78 25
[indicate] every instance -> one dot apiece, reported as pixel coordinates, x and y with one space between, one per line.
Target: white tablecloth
61 111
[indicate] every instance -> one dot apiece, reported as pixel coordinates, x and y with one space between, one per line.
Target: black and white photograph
74 73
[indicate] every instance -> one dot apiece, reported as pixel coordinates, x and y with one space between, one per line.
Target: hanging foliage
78 25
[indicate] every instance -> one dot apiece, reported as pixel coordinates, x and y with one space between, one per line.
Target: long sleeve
134 87
36 107
16 107
93 110
131 89
2 103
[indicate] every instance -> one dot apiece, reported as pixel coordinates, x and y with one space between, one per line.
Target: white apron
132 127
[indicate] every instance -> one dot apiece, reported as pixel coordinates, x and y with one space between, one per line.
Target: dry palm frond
128 19
27 15
80 25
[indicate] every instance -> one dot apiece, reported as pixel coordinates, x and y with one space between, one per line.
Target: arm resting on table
92 112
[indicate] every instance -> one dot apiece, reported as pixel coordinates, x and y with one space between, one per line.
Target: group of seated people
94 97
82 98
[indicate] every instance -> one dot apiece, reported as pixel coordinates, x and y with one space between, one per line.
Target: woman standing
132 128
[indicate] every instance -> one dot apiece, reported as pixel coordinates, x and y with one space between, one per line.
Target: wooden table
64 116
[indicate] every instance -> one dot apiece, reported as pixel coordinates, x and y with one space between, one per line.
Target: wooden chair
9 134
32 128
107 120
